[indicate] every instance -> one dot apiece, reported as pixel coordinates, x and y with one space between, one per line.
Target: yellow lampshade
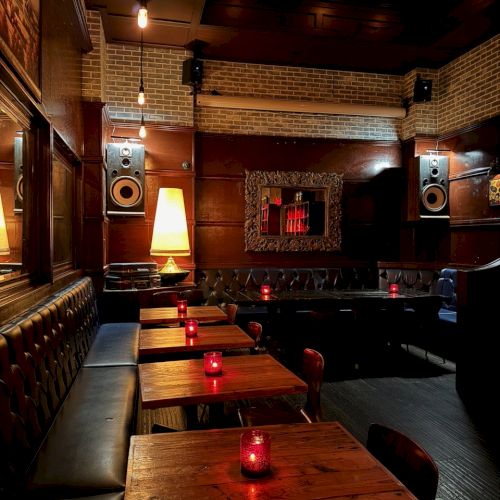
170 234
4 240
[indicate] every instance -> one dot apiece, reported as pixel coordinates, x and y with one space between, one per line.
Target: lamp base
169 279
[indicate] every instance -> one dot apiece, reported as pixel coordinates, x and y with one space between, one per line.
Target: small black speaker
422 91
192 72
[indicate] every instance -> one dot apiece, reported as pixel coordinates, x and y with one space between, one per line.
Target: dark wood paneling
62 44
370 171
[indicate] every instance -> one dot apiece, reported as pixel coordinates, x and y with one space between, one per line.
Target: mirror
292 211
11 196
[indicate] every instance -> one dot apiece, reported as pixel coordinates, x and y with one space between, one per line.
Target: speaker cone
434 197
126 192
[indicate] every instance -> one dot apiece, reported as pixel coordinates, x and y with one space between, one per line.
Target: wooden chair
278 411
167 298
407 460
231 311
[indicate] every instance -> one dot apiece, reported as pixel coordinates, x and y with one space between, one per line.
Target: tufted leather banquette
68 389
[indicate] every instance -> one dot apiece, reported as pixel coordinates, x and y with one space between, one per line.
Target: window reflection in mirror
292 212
11 196
62 191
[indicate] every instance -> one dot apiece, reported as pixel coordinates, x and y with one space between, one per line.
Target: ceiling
393 36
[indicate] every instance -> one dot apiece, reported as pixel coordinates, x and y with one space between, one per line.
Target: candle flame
215 364
252 457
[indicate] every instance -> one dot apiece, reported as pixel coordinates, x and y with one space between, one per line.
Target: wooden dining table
155 341
174 383
308 461
170 315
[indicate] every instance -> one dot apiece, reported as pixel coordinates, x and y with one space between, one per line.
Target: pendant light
142 15
142 130
140 97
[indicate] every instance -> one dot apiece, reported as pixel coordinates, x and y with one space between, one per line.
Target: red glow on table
191 327
393 288
265 289
255 452
182 306
213 363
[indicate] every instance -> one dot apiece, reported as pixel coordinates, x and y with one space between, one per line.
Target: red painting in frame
20 40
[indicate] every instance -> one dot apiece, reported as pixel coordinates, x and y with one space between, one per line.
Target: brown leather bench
68 388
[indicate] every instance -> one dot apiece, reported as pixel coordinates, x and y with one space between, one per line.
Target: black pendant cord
142 57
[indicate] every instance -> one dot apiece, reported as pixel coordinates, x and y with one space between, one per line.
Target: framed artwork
20 40
494 191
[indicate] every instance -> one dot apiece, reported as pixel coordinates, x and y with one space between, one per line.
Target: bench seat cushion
116 344
86 449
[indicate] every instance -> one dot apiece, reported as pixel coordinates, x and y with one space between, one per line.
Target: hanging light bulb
140 98
142 15
142 130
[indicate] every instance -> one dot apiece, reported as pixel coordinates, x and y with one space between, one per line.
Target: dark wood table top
308 461
178 383
155 315
210 338
336 298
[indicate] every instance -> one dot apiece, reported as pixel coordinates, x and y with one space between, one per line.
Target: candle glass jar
255 453
265 289
212 362
182 306
191 327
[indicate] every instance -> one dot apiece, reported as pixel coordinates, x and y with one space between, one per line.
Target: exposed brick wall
317 85
422 117
94 63
167 100
469 87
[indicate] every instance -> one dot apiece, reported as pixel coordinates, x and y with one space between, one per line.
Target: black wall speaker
125 179
433 186
192 72
422 92
18 175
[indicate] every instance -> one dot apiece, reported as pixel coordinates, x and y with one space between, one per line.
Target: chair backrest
254 329
167 298
313 366
194 296
407 460
231 310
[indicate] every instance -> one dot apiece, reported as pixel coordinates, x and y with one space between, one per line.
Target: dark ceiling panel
390 36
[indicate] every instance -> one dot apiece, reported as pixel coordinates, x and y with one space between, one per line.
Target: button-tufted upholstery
213 282
67 397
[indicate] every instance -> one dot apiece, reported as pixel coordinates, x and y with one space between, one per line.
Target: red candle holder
393 288
182 306
191 327
255 453
212 362
265 289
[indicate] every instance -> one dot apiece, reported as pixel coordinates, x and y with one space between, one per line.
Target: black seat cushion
116 344
86 449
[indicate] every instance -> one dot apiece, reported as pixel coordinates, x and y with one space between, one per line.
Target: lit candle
191 327
255 453
212 363
182 306
393 288
265 289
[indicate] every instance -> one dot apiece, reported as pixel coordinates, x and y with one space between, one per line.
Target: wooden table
152 315
308 461
174 383
174 340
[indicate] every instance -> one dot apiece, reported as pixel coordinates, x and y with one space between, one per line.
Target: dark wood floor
421 401
416 396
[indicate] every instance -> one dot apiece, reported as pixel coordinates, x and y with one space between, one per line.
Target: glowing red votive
182 306
265 289
393 288
212 362
255 452
191 327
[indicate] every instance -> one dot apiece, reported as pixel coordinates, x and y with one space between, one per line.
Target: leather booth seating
68 389
214 282
440 337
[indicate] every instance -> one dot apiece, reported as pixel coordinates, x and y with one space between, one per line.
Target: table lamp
4 240
170 235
